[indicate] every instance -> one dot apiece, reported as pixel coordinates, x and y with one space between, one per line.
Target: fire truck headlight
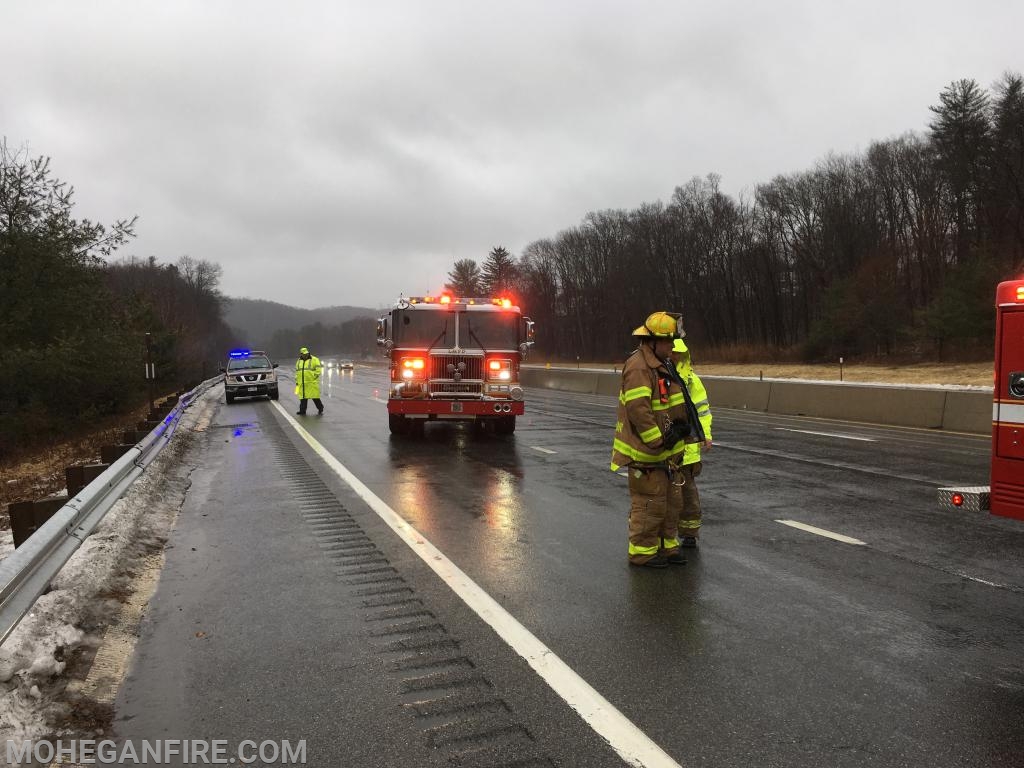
516 393
499 369
408 373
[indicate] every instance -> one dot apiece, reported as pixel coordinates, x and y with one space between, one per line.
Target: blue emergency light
239 353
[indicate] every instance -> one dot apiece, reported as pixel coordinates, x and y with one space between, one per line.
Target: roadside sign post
150 370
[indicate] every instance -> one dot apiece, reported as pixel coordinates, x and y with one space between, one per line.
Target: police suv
249 373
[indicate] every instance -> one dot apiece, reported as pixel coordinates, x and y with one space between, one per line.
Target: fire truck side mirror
528 331
382 331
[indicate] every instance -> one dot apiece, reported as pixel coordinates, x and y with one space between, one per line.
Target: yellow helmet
662 325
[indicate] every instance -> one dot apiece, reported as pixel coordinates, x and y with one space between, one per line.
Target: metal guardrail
26 572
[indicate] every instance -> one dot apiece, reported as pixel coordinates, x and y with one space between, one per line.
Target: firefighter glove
696 468
678 430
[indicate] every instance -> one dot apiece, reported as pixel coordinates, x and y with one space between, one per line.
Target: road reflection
456 472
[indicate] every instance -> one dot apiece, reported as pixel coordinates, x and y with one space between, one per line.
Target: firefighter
689 516
307 381
649 429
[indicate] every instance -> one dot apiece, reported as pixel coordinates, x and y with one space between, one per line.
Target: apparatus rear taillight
958 499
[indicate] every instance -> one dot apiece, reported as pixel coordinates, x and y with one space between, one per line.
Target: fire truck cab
454 358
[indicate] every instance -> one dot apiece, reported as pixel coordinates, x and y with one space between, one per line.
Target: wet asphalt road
771 647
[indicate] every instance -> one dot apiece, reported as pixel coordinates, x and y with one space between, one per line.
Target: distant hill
255 320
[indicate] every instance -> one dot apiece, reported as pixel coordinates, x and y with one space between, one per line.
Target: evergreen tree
499 272
464 279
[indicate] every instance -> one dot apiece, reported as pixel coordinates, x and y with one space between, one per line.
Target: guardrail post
80 476
111 453
27 516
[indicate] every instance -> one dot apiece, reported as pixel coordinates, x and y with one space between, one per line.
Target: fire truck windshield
423 328
489 330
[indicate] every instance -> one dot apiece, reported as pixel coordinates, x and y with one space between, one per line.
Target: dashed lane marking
632 744
822 532
542 450
828 434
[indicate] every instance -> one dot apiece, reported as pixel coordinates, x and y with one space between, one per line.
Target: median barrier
966 411
925 407
729 392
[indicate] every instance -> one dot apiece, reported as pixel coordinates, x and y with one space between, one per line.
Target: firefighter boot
688 542
658 561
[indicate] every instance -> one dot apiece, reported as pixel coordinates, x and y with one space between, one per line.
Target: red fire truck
1007 489
454 358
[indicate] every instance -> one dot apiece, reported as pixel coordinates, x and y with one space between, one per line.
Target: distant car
330 364
346 364
249 373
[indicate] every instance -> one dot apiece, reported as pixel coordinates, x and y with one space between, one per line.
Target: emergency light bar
448 299
239 353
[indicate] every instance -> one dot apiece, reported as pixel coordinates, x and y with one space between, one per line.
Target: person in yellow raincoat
690 517
307 381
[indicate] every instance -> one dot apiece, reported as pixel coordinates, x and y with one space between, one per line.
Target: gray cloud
329 153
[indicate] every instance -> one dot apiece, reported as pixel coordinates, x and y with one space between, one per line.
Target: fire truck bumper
456 409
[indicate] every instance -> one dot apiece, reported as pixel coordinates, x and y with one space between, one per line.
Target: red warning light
958 499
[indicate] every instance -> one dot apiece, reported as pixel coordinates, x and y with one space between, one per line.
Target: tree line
354 338
73 323
894 250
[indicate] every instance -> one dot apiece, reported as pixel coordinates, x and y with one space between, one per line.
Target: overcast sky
343 153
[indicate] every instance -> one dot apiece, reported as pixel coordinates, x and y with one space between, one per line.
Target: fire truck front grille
466 367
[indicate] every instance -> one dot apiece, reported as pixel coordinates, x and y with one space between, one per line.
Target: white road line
632 744
542 450
378 400
822 532
828 434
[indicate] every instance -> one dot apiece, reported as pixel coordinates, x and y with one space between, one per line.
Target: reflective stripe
672 543
636 550
1008 413
672 402
641 456
693 522
703 402
649 435
633 394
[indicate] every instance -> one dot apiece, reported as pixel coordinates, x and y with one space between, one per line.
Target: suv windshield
243 363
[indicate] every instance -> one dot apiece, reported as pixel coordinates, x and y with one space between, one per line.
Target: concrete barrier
730 392
925 407
967 411
850 402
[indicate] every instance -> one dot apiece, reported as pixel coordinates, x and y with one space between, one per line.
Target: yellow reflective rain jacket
699 395
307 377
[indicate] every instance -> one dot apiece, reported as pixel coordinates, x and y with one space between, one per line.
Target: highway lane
774 645
895 622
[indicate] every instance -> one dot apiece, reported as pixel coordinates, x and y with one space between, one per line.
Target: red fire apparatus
454 359
1007 494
